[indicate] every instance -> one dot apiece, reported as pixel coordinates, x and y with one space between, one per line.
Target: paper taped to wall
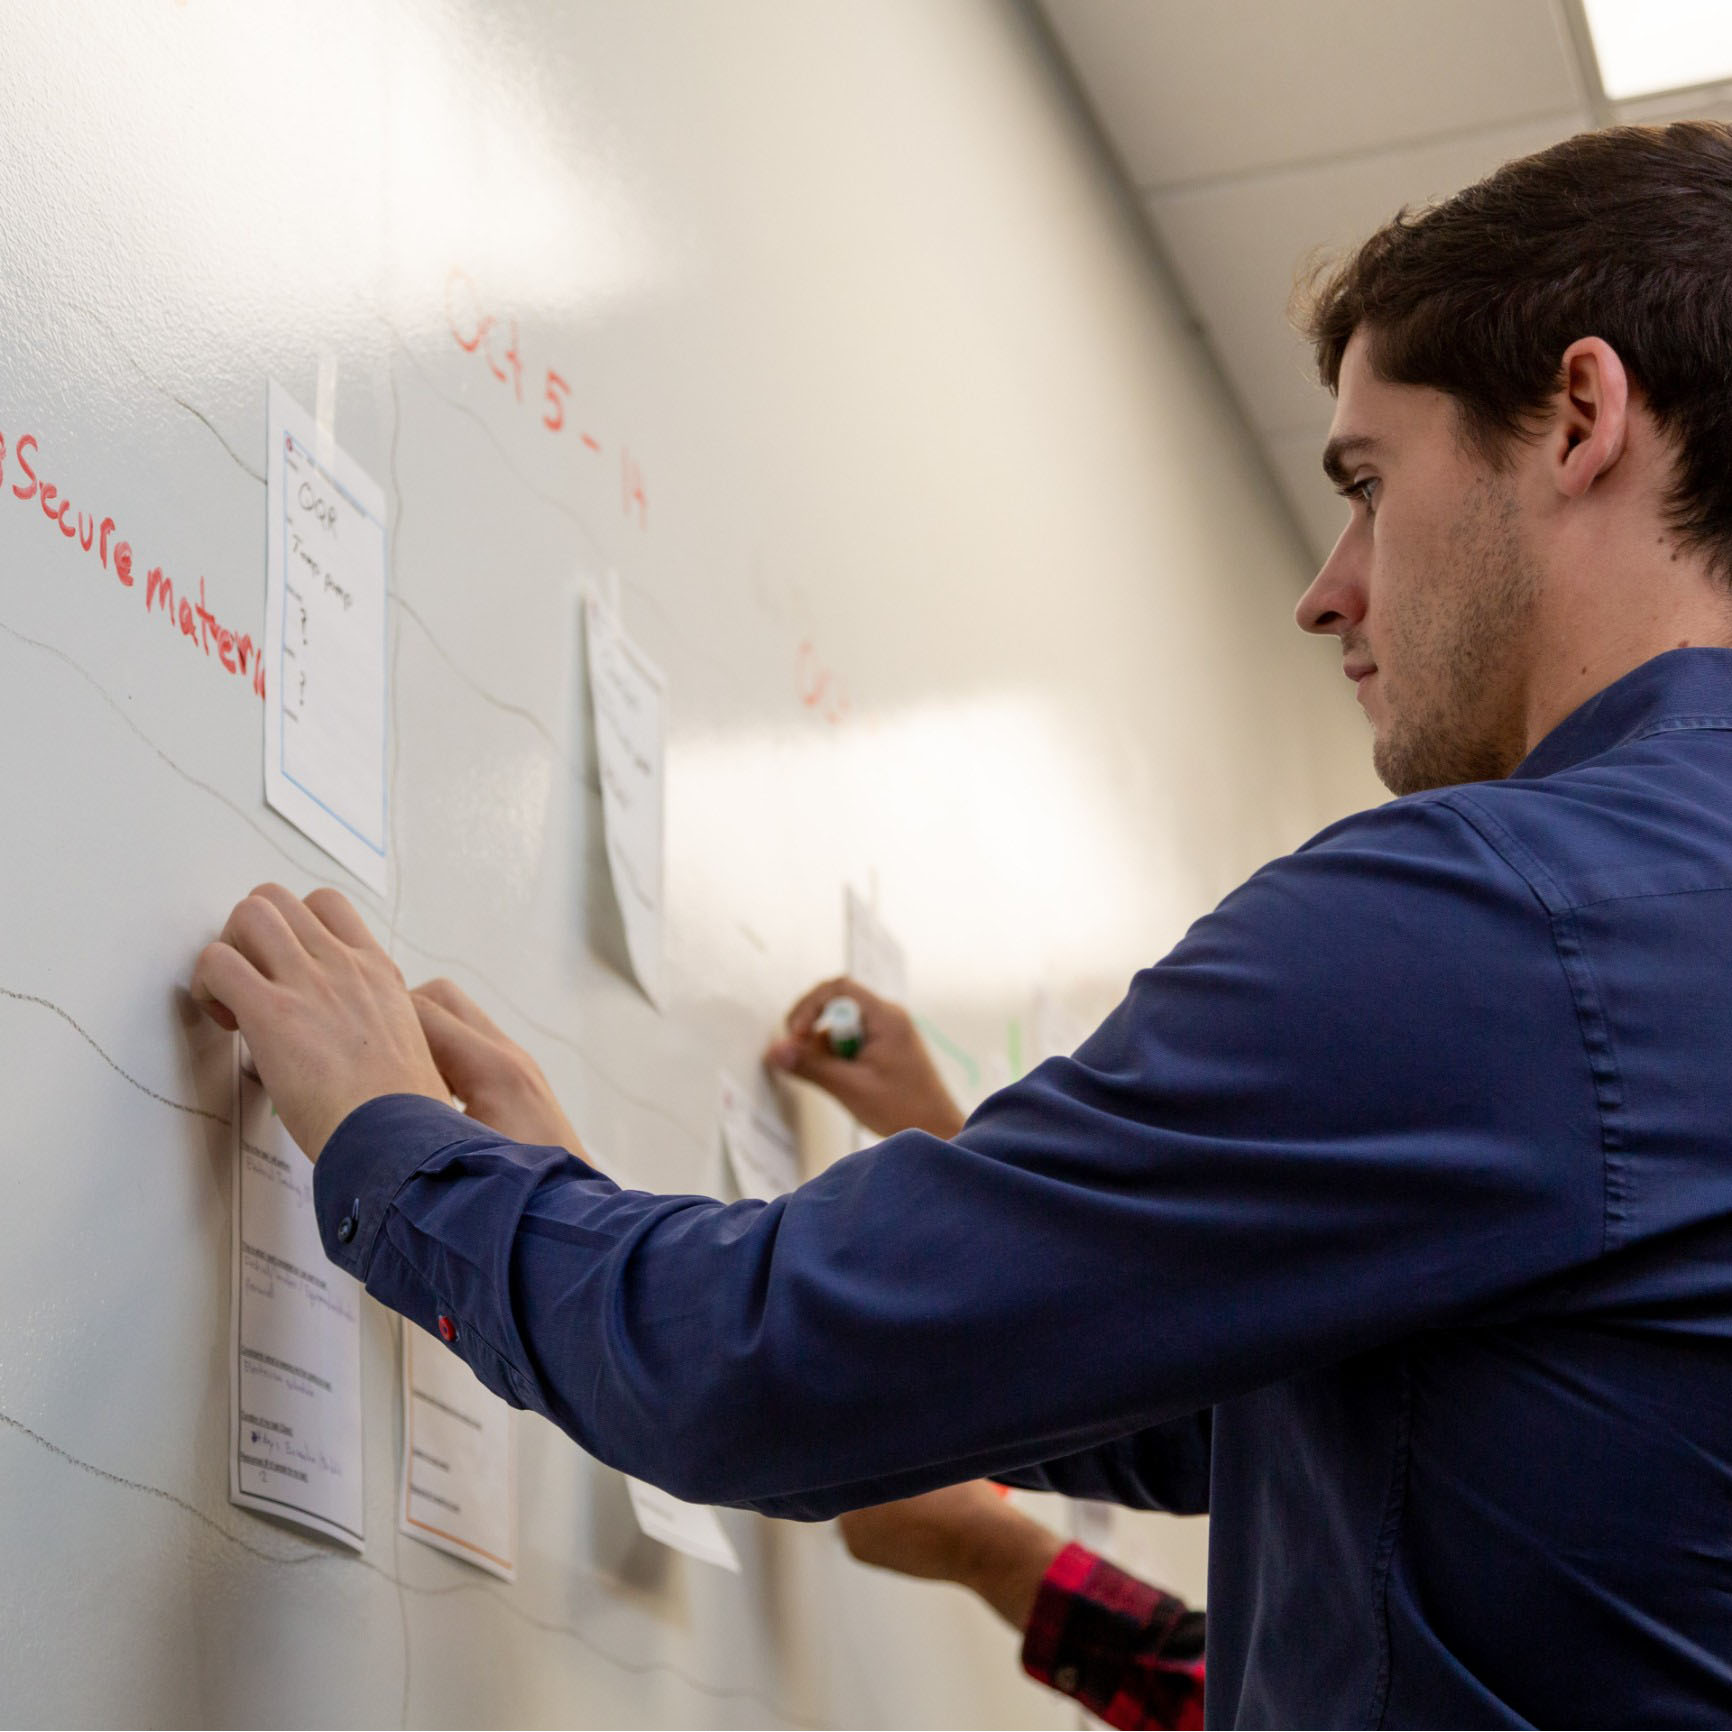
295 1338
692 1528
875 958
759 1148
626 691
326 694
458 1490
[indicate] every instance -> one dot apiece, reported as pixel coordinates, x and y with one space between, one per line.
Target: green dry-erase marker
842 1025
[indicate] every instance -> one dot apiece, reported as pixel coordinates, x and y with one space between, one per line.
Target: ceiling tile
1235 247
1196 89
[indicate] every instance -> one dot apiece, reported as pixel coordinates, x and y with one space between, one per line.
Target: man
1389 1217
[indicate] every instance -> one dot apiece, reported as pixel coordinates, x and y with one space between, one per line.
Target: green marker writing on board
842 1025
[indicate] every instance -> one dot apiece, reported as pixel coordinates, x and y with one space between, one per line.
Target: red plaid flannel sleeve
1126 1651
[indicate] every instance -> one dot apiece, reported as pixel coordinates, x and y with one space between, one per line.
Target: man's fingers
804 1012
226 986
840 1077
449 996
337 914
462 1053
312 934
873 1009
259 931
807 1011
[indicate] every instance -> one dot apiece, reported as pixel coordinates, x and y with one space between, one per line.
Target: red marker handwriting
496 341
191 620
818 687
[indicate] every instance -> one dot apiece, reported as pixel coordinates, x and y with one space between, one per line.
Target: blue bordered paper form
326 684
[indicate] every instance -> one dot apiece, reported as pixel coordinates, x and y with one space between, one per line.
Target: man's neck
1598 632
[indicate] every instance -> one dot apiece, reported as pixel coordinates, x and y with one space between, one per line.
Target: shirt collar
1683 687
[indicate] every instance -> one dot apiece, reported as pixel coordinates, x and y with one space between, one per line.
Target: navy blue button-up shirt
1388 1218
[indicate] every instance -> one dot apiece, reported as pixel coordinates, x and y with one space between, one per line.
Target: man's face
1431 588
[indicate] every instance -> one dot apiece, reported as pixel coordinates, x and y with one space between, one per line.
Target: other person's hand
323 1008
961 1533
499 1084
890 1085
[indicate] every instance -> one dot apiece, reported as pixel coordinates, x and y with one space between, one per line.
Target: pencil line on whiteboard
156 1491
477 687
158 386
180 770
402 1616
552 1033
642 591
637 1668
505 457
119 1070
642 1102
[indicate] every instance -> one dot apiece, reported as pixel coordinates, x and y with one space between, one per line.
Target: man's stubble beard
1456 713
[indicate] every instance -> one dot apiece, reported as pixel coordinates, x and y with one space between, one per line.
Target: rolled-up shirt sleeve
1353 1102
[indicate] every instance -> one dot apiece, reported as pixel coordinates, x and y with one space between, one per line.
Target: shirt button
1066 1679
447 1330
346 1229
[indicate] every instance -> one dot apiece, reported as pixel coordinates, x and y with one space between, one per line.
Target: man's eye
1363 492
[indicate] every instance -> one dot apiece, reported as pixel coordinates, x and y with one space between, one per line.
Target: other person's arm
1127 1651
890 1085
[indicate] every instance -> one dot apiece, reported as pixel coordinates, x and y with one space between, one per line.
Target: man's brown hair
1625 235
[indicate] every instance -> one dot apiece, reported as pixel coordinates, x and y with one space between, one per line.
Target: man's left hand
323 1008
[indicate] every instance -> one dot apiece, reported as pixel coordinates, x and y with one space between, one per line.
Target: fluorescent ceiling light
1644 46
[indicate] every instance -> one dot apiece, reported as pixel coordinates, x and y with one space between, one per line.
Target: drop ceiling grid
1258 131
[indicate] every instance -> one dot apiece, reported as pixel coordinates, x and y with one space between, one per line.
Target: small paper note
758 1146
459 1483
627 693
325 679
691 1528
1091 1523
875 958
295 1338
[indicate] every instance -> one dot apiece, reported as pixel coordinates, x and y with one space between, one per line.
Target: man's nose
1335 602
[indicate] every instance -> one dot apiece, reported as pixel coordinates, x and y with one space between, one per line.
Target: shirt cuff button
346 1226
1066 1678
447 1331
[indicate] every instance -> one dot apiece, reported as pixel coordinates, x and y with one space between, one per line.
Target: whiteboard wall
969 594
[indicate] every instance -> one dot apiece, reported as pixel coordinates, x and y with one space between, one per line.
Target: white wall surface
916 422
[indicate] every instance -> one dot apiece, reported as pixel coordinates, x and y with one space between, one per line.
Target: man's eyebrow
1338 451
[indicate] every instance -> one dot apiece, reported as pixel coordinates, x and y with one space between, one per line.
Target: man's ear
1592 416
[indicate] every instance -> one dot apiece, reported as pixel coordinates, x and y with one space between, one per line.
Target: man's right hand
890 1085
499 1084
